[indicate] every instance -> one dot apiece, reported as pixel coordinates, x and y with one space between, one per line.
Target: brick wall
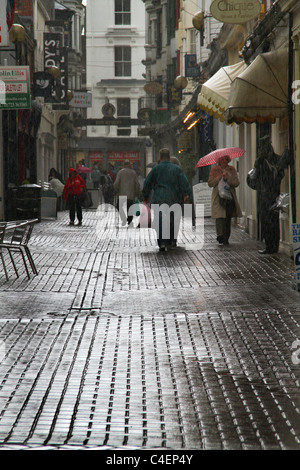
24 7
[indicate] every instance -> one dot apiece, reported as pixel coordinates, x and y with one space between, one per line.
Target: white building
115 45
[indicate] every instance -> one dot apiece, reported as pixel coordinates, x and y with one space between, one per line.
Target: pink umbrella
83 169
212 157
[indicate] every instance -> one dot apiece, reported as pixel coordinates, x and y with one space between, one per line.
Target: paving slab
114 345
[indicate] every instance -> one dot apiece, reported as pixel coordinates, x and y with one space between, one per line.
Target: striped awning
215 92
260 93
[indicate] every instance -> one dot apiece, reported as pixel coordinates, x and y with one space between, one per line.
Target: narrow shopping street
115 345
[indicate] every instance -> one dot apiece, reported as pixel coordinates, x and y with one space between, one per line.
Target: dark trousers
271 230
223 225
74 208
121 208
174 222
223 228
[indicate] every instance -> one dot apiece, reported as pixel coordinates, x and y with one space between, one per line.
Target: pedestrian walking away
224 209
127 186
73 188
169 186
95 175
107 186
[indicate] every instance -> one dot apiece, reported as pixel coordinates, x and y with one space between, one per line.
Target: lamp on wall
188 116
180 82
193 124
17 33
198 23
54 71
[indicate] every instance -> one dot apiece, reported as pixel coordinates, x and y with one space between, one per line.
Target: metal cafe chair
17 242
2 234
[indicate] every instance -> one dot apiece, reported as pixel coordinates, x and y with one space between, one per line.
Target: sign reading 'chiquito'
235 11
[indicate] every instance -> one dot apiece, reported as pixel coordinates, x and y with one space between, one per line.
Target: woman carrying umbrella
224 212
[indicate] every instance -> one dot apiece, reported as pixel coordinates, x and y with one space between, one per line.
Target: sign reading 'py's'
235 11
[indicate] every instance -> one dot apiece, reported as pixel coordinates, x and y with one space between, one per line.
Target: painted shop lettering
296 235
227 6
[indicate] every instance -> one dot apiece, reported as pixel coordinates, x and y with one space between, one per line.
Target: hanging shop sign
108 110
153 88
56 56
235 11
174 96
192 69
62 141
43 83
15 87
296 249
81 99
144 114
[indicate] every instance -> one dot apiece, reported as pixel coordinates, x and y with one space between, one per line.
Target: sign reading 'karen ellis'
15 87
235 11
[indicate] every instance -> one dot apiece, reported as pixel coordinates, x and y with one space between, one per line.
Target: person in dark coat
107 189
95 175
270 175
73 188
168 184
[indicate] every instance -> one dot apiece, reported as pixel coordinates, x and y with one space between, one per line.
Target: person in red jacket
74 186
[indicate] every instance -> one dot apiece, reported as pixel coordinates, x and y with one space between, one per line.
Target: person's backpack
108 183
85 199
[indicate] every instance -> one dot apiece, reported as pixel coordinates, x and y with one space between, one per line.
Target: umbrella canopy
212 157
83 169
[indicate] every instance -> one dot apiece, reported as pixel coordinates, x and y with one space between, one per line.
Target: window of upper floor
122 61
122 12
123 110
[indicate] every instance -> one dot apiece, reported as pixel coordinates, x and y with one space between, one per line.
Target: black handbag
85 199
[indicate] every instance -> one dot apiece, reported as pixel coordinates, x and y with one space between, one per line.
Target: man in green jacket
170 190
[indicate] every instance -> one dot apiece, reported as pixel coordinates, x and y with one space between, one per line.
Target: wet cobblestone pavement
115 345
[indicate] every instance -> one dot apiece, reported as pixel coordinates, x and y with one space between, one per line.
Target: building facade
179 58
31 132
115 38
224 50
